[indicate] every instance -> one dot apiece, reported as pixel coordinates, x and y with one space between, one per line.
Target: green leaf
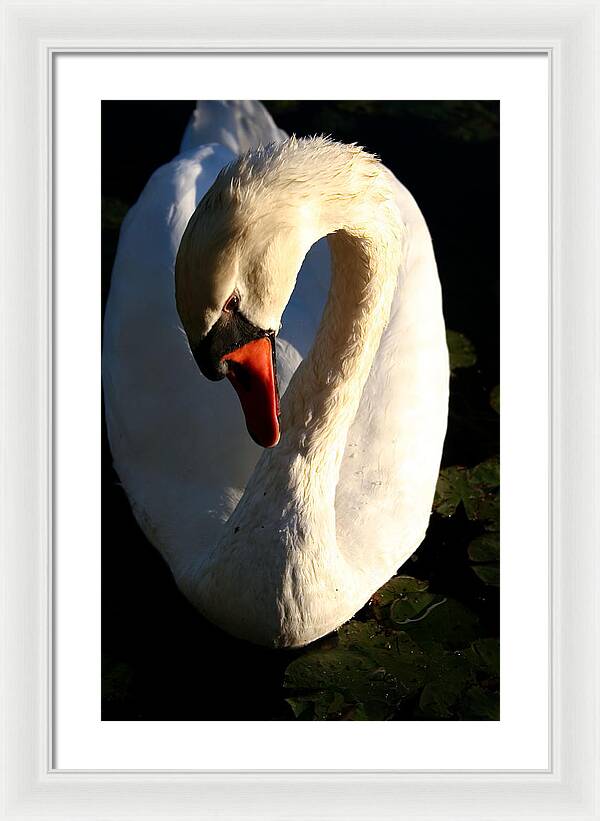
495 398
481 704
328 669
484 508
375 710
487 653
488 573
446 622
435 658
370 666
320 706
361 634
357 712
402 597
303 710
461 351
449 674
485 548
410 606
486 473
452 488
397 586
474 487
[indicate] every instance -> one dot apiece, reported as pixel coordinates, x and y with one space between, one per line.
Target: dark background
160 659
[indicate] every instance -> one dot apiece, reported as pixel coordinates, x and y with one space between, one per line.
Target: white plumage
283 545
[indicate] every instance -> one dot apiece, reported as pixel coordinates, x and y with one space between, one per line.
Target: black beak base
230 332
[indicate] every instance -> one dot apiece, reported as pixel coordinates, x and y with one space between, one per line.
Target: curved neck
366 244
285 521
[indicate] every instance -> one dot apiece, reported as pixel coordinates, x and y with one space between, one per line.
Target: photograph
300 410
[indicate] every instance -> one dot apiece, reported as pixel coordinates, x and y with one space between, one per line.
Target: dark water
160 659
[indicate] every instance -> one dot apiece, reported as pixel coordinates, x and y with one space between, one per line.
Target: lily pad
452 487
447 622
474 487
370 669
484 508
397 586
303 710
485 655
484 551
449 674
322 706
412 607
461 351
374 670
488 573
479 703
485 548
402 597
486 474
495 398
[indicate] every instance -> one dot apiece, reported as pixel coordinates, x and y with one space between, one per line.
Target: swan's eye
232 304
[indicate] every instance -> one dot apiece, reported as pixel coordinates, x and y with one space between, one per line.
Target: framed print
132 683
145 757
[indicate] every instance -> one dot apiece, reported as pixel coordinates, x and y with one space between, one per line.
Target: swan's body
279 546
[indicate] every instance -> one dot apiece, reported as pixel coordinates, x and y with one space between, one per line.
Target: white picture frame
32 34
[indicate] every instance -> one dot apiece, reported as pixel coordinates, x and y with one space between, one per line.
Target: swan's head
235 271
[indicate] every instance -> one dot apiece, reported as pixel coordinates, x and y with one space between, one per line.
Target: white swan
277 546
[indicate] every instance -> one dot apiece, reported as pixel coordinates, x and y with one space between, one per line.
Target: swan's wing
236 124
179 442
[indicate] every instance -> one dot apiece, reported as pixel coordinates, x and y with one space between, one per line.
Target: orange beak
251 371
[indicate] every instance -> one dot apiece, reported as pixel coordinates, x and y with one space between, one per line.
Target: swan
303 271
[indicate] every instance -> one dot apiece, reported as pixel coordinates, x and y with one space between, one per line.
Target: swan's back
238 125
